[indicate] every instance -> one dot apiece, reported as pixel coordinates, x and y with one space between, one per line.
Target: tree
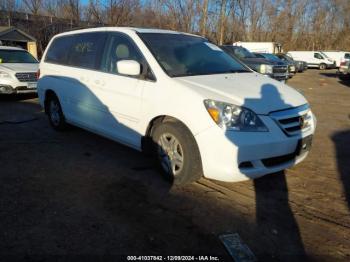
33 6
204 18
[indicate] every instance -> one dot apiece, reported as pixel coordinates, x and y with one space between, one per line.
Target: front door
121 95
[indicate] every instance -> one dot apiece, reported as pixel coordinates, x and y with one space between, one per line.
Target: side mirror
129 67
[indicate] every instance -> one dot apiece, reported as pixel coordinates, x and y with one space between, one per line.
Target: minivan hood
20 67
251 90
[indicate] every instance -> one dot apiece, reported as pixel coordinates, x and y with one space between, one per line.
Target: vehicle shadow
345 82
17 97
275 220
23 111
341 141
331 75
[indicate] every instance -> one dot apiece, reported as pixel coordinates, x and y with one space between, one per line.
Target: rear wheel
177 153
323 66
55 114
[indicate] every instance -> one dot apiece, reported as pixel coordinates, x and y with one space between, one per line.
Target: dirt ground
75 195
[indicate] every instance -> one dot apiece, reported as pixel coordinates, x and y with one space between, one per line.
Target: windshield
240 52
16 56
285 57
324 55
185 55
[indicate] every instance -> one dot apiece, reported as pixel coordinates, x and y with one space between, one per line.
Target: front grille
279 69
293 121
27 77
279 160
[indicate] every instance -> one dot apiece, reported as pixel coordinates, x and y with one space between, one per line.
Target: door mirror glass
129 67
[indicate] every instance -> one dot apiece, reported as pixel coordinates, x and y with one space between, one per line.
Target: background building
11 36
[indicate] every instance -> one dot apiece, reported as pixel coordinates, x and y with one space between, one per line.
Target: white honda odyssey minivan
198 111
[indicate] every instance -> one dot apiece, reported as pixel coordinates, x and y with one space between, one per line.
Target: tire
55 114
322 66
176 153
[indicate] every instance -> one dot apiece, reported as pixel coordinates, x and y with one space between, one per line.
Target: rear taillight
38 74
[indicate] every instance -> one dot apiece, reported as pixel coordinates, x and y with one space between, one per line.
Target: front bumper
16 87
331 66
279 76
225 154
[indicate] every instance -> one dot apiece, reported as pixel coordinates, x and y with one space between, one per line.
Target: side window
58 50
120 47
86 50
318 56
347 56
238 53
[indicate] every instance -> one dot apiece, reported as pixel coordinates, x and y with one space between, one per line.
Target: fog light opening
5 89
246 164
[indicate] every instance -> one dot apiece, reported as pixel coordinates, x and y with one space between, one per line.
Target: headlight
266 69
4 75
232 117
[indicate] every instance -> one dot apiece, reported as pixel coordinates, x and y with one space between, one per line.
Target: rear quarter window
80 50
58 50
86 50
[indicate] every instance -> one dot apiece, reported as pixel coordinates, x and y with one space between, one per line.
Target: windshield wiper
238 71
212 73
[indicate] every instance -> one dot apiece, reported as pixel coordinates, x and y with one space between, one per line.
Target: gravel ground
75 195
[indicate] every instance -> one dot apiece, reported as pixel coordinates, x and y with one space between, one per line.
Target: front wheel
323 66
177 153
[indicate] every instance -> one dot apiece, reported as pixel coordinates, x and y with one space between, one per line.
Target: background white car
18 71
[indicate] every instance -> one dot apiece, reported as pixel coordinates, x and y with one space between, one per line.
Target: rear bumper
331 66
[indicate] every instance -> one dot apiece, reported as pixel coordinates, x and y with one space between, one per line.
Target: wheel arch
322 65
48 93
146 141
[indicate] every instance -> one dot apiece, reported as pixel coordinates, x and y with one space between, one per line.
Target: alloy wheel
55 112
170 153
